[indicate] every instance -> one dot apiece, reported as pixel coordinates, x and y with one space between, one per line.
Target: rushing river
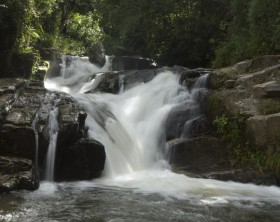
89 201
137 183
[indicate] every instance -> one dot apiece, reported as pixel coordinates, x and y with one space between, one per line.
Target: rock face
197 153
16 174
254 94
25 109
251 89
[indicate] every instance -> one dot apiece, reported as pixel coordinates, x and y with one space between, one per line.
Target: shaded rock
114 82
121 51
189 77
253 65
197 153
42 70
273 90
17 141
263 131
177 118
47 53
84 161
9 91
110 83
96 54
265 75
244 176
133 78
16 134
17 174
132 63
54 69
22 64
260 90
229 84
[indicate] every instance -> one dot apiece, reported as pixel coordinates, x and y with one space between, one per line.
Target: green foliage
254 30
270 107
231 130
183 32
84 28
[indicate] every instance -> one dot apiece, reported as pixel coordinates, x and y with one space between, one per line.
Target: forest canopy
193 33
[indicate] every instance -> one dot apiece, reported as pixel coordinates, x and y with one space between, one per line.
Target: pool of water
94 201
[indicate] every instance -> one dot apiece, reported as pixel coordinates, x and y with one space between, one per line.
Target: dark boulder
17 174
96 54
83 161
132 62
197 154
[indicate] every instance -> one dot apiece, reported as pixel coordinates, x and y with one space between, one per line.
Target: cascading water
53 132
130 126
36 141
137 184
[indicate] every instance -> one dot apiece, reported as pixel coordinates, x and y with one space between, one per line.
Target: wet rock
133 78
190 76
54 69
113 82
83 161
16 133
177 118
244 176
96 54
197 153
110 83
17 174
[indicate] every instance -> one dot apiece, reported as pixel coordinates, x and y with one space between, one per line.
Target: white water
36 141
53 132
130 125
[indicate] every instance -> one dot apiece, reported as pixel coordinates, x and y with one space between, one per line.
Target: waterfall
53 132
130 124
36 141
195 114
131 127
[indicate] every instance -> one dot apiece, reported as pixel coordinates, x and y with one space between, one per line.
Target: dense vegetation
184 32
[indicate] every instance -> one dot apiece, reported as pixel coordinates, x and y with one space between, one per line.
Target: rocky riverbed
250 89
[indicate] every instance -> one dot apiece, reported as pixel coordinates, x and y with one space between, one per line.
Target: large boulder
96 54
263 131
198 154
84 161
